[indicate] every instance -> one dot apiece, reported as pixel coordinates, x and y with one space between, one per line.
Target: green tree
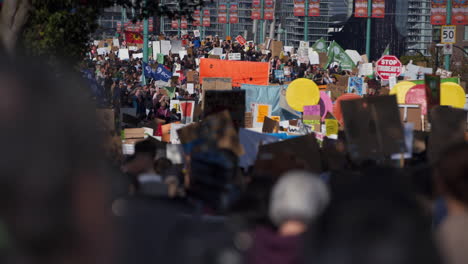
63 28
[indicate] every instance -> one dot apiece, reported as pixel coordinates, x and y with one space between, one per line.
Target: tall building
419 28
285 26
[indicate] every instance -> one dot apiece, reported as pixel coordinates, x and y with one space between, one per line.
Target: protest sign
190 88
331 127
123 54
165 47
314 58
241 40
182 54
448 126
137 55
217 84
259 113
302 92
276 48
354 55
248 123
289 49
270 125
102 51
174 152
234 56
323 58
452 94
412 113
304 44
432 88
232 101
355 85
408 130
297 153
192 76
175 104
174 136
336 90
313 121
392 82
187 111
279 74
241 72
312 110
216 131
366 69
373 127
417 95
116 43
217 51
176 46
196 33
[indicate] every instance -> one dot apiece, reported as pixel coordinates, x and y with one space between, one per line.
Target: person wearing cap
297 198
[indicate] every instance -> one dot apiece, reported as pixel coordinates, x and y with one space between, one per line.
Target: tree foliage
62 28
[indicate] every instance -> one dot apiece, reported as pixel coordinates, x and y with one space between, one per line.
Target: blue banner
162 74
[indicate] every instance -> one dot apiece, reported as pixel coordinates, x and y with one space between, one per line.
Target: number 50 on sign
448 35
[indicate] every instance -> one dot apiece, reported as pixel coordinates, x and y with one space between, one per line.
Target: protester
451 180
296 200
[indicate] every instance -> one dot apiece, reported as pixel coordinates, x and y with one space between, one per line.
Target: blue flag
162 74
148 71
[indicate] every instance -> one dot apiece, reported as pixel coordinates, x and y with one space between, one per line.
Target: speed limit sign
448 35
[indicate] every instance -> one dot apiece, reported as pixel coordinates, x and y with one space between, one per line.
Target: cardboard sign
323 58
373 127
123 54
298 153
217 51
331 126
276 48
313 121
192 76
336 90
234 56
165 47
260 111
248 123
218 84
190 88
270 125
241 40
412 114
366 69
311 110
448 126
231 101
432 83
216 131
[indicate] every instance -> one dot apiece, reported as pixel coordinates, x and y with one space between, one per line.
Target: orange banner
240 71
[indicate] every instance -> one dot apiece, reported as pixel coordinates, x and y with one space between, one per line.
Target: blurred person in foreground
373 218
53 191
296 200
451 179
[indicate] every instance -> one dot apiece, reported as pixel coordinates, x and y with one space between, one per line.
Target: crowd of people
64 201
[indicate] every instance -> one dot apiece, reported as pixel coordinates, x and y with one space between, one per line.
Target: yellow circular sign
302 92
452 94
400 89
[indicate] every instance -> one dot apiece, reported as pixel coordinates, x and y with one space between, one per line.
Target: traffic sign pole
448 22
306 21
368 29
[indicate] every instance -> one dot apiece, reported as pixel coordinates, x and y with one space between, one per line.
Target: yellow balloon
400 89
452 94
302 92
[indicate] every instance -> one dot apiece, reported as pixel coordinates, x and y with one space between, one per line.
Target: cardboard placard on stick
297 153
232 101
448 126
373 128
270 125
412 114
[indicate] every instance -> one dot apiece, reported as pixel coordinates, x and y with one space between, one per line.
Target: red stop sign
388 66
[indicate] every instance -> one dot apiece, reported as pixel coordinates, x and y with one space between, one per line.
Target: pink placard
326 105
312 110
417 95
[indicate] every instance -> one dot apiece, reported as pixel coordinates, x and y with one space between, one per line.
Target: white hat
298 195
